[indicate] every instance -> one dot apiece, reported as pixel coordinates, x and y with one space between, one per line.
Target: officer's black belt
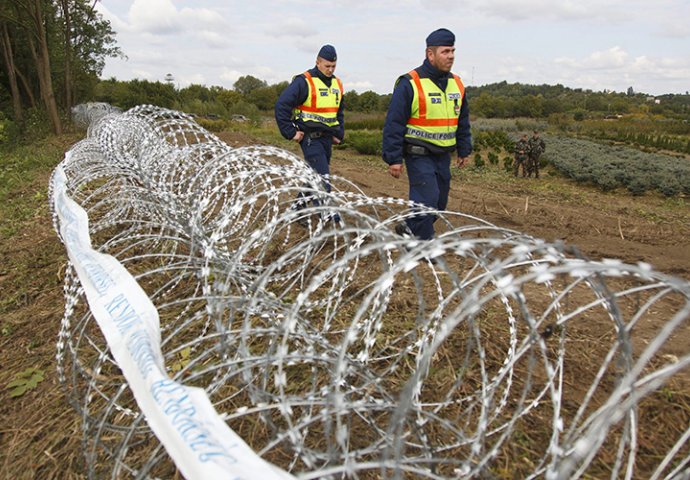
315 134
417 150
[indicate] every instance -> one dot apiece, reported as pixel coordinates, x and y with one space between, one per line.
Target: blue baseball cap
440 37
327 52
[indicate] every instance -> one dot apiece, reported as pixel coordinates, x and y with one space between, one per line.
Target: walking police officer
310 112
427 120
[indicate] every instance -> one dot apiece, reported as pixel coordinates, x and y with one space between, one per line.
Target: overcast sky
590 44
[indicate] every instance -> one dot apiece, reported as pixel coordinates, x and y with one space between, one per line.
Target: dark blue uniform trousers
317 153
429 177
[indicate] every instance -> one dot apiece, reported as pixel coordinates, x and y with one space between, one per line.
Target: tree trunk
42 58
27 88
69 87
8 57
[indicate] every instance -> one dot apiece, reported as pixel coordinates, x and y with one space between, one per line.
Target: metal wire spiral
338 349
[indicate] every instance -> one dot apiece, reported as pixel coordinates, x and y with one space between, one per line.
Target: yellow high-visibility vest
434 115
322 103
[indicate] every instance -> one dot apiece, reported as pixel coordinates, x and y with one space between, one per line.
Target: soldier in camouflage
521 155
536 148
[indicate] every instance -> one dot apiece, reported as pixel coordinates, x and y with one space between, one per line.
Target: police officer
536 148
427 120
521 156
310 112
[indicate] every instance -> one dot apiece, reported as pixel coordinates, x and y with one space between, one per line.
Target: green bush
493 158
669 186
365 141
213 125
6 130
366 124
479 161
638 186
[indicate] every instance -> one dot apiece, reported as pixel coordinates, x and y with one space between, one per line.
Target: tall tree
38 44
248 84
8 59
29 21
67 41
51 46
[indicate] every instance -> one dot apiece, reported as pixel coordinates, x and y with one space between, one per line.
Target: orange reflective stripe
433 122
422 97
461 86
316 109
340 86
312 88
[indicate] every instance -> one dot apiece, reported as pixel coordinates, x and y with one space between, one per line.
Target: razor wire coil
339 349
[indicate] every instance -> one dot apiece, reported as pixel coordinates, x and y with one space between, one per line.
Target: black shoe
403 230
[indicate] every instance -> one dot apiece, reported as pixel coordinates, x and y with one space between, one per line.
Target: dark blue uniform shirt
296 94
400 109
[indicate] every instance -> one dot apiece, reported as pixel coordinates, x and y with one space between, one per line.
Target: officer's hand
462 161
395 170
299 135
336 141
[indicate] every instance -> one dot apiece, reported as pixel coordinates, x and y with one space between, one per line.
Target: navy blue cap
440 37
327 52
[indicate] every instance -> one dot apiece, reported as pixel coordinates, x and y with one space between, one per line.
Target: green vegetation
367 142
611 167
25 381
20 197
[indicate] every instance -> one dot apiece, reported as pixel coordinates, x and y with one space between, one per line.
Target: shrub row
611 167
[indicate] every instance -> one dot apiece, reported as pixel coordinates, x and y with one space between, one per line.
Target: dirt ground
40 433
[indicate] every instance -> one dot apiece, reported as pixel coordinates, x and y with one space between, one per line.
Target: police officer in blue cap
427 121
310 112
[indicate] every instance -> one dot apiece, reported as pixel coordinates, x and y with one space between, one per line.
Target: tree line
499 100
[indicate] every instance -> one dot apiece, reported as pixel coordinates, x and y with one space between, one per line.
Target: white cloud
163 18
154 16
203 18
536 9
674 28
196 79
116 22
143 74
612 58
292 27
231 75
360 86
213 39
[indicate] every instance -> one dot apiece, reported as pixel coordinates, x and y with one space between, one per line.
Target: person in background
521 155
427 121
310 112
536 148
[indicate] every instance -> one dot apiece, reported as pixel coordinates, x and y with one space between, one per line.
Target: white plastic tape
200 443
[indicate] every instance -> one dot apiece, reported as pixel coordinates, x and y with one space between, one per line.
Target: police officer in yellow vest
427 120
310 112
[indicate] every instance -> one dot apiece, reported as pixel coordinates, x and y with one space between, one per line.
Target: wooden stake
526 204
620 230
504 208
